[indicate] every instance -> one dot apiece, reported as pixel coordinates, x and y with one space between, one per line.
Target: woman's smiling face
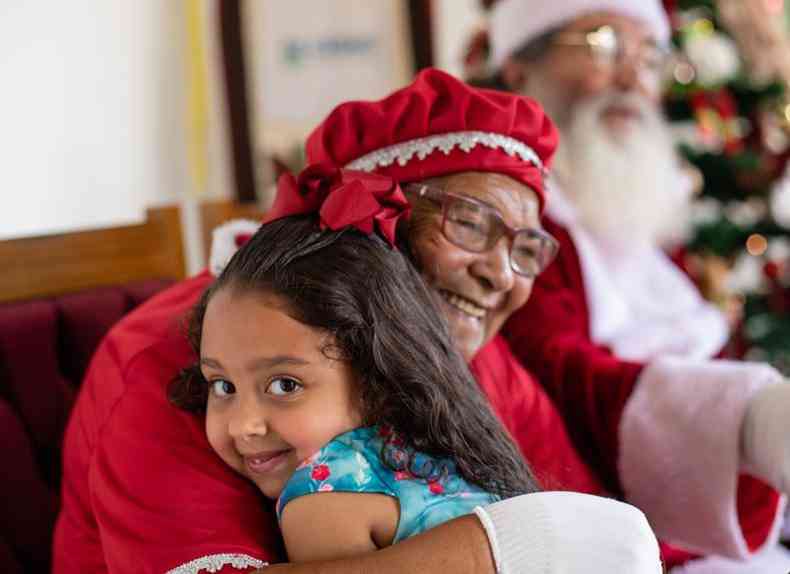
275 398
478 291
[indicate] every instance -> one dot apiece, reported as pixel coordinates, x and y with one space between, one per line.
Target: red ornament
771 270
716 112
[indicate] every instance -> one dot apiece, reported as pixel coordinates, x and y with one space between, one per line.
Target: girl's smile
263 462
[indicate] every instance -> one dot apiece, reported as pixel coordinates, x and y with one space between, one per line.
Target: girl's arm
459 546
330 525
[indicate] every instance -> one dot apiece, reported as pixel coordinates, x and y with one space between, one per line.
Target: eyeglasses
474 226
609 47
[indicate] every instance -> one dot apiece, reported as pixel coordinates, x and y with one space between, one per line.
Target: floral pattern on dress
352 462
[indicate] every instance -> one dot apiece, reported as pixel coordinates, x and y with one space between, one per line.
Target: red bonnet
439 126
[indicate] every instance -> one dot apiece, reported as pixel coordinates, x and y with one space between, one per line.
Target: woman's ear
514 74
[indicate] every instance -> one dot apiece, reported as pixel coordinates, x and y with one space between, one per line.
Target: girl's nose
247 420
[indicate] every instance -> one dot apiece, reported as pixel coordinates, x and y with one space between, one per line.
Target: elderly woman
475 162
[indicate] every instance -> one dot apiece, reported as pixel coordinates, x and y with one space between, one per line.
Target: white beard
627 188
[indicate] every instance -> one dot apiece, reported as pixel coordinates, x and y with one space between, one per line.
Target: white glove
568 532
765 436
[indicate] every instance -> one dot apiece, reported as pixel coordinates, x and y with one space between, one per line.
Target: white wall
92 108
92 116
454 23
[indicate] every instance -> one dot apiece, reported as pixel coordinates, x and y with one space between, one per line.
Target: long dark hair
384 321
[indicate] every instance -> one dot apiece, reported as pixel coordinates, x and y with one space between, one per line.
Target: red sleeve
589 385
142 489
162 497
77 545
532 420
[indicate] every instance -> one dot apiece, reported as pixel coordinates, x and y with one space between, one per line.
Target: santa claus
613 326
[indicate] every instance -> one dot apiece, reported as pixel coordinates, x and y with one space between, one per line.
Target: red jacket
143 491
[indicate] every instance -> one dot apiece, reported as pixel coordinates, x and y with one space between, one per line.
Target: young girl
325 367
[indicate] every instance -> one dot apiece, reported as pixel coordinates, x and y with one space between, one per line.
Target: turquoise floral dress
429 491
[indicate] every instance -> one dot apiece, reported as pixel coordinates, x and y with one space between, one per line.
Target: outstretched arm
459 546
538 532
642 425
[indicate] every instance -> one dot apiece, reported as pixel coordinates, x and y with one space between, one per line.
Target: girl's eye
222 388
282 386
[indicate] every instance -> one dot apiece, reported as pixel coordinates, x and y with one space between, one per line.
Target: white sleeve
559 532
680 451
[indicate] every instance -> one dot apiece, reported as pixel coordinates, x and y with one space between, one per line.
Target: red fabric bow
342 198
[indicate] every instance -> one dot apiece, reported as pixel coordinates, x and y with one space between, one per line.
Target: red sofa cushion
45 348
87 316
31 379
29 505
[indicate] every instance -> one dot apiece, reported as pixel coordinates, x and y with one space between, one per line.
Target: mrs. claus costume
143 491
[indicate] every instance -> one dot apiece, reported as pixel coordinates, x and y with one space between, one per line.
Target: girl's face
275 398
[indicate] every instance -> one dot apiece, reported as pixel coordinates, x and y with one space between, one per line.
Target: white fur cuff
680 450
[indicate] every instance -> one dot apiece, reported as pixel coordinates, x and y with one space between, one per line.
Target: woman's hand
765 436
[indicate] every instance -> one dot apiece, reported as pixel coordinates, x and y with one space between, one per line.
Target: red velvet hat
438 126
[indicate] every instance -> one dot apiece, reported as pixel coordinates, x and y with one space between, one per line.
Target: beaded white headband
466 141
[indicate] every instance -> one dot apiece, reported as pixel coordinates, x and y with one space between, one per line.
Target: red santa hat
438 126
515 22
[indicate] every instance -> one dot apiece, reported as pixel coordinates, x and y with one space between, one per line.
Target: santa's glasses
477 227
610 47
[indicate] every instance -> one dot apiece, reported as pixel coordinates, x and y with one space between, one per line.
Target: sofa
45 347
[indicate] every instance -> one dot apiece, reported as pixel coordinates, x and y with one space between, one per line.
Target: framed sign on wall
289 62
306 56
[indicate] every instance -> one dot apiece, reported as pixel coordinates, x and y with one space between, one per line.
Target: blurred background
109 108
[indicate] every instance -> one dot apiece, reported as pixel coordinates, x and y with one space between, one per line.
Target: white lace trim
466 141
215 563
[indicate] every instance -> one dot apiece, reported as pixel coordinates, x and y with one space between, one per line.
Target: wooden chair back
49 265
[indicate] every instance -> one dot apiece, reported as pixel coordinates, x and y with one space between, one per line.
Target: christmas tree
729 103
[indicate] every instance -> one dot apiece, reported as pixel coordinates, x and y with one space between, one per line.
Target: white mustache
624 188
